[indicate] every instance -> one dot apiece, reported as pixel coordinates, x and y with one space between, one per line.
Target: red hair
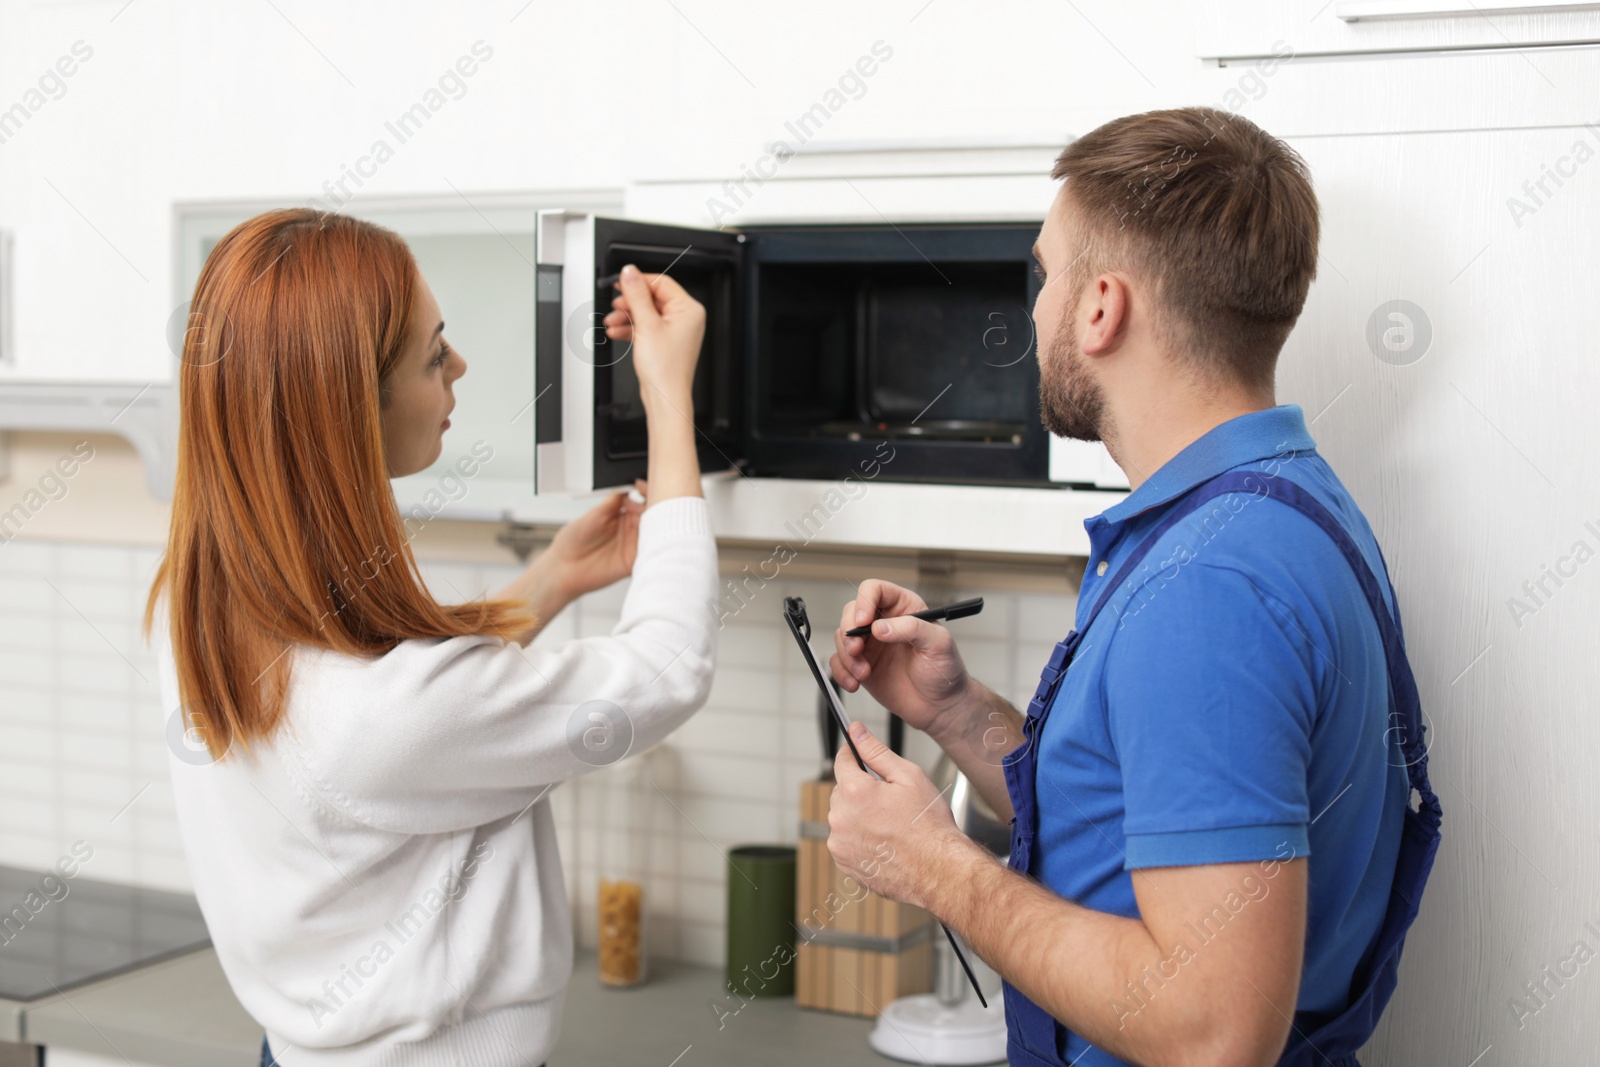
284 528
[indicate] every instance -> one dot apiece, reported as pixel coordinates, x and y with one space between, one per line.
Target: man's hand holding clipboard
888 825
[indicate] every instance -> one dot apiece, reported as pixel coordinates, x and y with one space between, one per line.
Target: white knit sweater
381 880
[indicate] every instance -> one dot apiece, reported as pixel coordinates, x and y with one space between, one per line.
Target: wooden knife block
855 951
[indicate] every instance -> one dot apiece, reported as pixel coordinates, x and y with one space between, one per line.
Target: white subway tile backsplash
29 634
28 559
113 862
995 622
31 814
802 739
83 735
739 688
163 871
754 645
102 793
704 900
95 598
28 745
799 691
703 942
97 637
26 601
452 582
25 668
716 730
142 564
717 823
91 748
987 660
88 562
108 675
734 777
29 780
150 752
25 706
93 711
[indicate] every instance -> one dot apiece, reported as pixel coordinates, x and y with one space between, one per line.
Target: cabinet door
590 430
478 259
1234 30
1462 421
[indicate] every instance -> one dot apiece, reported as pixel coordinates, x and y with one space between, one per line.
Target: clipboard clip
794 610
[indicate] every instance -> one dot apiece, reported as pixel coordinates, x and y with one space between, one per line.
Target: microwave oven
827 348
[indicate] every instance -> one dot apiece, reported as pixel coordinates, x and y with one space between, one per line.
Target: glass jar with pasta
624 860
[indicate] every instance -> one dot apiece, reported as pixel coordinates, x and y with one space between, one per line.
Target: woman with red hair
368 829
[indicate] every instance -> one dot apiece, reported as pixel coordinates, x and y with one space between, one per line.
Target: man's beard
1071 404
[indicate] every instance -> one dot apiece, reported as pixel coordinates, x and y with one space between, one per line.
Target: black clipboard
794 613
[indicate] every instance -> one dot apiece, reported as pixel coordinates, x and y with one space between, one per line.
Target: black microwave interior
852 349
922 337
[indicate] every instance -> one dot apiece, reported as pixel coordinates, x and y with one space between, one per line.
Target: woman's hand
586 554
595 549
666 326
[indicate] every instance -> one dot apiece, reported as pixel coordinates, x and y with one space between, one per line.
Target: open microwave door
590 430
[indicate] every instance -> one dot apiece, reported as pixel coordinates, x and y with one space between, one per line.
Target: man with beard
1214 856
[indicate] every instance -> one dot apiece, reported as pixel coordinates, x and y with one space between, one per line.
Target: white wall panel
1473 460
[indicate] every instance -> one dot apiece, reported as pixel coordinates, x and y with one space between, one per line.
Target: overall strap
1402 684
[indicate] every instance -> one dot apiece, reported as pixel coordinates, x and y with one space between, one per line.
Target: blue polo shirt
1229 704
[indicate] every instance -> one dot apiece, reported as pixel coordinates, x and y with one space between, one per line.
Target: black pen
608 281
959 610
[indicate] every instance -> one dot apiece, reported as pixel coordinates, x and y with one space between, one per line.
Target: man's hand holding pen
910 666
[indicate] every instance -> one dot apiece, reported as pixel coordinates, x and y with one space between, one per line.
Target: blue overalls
1035 1039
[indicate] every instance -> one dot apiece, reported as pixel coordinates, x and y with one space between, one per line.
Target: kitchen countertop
178 1013
67 931
669 1021
181 1013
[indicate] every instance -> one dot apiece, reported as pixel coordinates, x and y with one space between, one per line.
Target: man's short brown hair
1213 211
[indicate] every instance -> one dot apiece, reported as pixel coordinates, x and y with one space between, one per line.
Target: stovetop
92 930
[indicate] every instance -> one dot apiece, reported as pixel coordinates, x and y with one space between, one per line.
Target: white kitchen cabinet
1238 30
1464 441
477 255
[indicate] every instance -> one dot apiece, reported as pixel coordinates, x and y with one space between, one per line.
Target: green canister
761 921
